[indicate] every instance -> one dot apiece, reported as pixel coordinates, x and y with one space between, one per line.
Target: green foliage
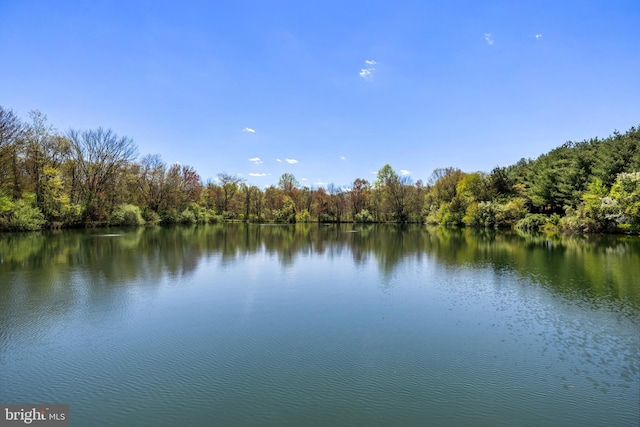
6 203
615 211
455 212
623 204
364 216
303 216
193 214
151 217
386 176
584 220
55 202
187 216
92 178
471 216
287 213
126 215
26 217
326 217
287 183
254 218
169 216
532 222
481 215
472 187
212 217
508 214
439 204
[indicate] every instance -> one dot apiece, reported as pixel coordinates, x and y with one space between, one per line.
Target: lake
353 325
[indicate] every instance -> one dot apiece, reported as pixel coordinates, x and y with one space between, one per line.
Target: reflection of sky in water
394 323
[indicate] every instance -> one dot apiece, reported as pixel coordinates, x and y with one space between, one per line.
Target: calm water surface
321 325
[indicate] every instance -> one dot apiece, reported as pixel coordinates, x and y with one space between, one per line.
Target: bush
325 217
481 215
6 203
532 222
288 212
508 214
213 218
26 217
363 216
187 216
303 216
196 214
151 217
257 219
72 215
170 216
126 215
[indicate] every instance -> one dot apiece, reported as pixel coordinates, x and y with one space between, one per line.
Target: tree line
89 178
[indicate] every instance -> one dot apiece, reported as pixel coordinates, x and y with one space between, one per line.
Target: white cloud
538 36
488 38
367 73
343 158
320 183
278 160
257 174
255 160
291 161
305 179
405 172
249 130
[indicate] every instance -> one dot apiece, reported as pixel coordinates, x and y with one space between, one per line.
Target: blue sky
329 91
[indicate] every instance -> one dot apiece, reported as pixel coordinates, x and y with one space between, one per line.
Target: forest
94 178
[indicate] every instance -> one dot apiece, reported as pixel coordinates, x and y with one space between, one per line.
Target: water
321 325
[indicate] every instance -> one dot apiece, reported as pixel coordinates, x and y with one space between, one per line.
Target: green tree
229 184
288 183
287 213
624 203
396 193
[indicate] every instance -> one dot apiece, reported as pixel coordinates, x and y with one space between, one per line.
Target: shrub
288 212
196 214
187 217
325 217
126 215
215 219
303 216
532 222
72 216
26 217
6 203
508 214
170 216
363 216
481 215
151 217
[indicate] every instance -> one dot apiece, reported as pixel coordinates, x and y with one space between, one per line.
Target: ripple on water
458 345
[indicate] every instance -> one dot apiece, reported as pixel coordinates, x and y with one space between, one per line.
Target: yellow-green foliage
126 215
25 216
